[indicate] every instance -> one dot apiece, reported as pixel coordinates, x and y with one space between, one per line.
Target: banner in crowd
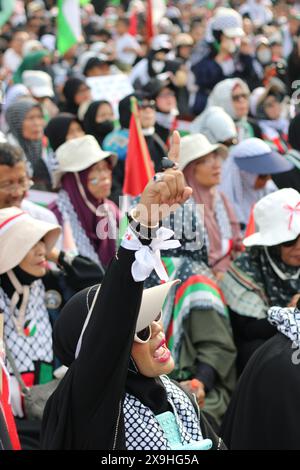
112 88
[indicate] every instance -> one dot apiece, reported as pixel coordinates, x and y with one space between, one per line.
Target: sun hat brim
17 240
266 164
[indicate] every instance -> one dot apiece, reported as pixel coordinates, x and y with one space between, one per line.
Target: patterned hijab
15 115
287 322
254 264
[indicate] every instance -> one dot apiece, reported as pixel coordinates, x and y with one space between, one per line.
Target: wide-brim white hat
195 146
79 154
19 232
277 218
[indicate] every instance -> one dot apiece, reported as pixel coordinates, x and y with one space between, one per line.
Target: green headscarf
29 62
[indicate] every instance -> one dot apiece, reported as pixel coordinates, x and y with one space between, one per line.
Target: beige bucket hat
79 154
19 232
195 146
277 218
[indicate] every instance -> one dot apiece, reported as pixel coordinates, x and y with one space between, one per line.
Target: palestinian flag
68 24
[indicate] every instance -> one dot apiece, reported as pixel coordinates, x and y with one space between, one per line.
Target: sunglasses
144 335
291 242
239 97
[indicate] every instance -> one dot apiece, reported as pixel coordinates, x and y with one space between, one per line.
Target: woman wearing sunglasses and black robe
114 395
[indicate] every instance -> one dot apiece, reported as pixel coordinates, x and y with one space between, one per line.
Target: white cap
39 83
229 22
161 42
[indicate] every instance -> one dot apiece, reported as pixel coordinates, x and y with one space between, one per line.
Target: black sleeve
77 273
250 328
206 374
100 371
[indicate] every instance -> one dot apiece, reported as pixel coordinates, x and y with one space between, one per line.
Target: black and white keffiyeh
28 349
287 322
83 244
142 429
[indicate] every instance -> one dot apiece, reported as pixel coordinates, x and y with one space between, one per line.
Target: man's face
14 184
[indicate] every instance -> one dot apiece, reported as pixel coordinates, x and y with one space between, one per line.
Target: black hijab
98 129
149 391
70 89
58 128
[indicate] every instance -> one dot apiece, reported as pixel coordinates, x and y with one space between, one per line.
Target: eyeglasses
23 184
291 242
146 104
144 335
241 96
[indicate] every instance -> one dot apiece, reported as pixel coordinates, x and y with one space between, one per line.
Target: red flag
149 21
138 164
7 417
133 23
251 224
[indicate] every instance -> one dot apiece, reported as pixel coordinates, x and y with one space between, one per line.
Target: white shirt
11 60
123 42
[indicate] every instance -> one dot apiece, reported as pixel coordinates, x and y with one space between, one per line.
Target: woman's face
166 100
35 262
147 114
290 255
82 94
33 124
104 113
272 107
100 180
261 181
74 131
153 358
208 170
240 102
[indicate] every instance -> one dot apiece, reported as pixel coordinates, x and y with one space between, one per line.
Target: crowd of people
178 329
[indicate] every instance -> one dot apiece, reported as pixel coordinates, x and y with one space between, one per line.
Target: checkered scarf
287 322
26 350
142 429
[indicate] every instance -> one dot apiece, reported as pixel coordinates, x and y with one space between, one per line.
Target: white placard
112 88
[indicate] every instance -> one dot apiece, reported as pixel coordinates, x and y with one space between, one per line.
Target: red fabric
149 21
250 230
138 164
133 24
8 416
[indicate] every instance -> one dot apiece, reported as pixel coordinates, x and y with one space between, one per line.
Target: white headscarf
221 95
215 124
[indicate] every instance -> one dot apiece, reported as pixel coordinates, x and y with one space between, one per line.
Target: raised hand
165 192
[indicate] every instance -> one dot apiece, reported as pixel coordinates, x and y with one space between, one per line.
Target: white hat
79 154
39 83
196 146
19 232
215 124
161 42
229 22
152 303
277 217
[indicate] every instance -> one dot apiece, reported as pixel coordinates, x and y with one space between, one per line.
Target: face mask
158 66
264 56
104 128
231 47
